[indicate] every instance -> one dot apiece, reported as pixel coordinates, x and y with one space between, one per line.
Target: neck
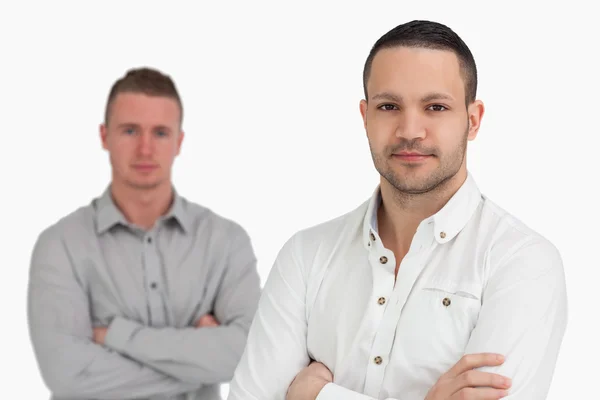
401 213
142 207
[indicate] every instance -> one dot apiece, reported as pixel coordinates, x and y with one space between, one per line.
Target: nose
145 144
411 126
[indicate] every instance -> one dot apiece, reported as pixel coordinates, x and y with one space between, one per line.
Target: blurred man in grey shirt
141 294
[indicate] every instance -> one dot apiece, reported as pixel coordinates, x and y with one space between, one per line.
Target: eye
129 131
437 107
387 107
161 133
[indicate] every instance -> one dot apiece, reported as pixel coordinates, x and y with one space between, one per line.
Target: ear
475 113
179 141
363 112
103 135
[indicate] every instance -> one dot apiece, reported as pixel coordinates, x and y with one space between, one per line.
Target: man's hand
100 335
309 382
207 321
463 382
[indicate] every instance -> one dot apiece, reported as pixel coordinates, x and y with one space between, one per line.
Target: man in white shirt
427 290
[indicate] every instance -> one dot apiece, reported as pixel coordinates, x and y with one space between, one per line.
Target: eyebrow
137 126
127 125
425 99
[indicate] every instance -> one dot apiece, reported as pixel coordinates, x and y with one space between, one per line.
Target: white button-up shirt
475 279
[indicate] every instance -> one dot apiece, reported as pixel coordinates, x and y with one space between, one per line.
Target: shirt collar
447 222
109 215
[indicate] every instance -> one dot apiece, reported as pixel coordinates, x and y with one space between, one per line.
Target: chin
144 184
412 183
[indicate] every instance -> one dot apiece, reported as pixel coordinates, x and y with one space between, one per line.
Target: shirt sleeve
206 355
524 317
331 391
276 348
71 364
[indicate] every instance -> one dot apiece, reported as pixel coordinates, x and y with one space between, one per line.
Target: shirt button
377 360
381 301
442 234
446 302
383 259
372 236
153 285
149 240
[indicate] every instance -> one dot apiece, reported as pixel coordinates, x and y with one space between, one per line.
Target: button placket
382 262
382 298
153 274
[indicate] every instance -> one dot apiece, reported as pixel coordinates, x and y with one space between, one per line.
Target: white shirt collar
448 222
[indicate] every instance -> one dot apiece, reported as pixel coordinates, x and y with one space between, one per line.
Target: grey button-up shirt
93 268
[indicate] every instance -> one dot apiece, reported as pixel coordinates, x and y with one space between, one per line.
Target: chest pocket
437 321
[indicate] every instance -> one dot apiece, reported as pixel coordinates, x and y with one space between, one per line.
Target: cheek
448 132
166 153
449 142
120 154
377 141
381 128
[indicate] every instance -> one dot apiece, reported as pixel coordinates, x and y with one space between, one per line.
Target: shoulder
205 221
72 227
317 242
57 247
513 242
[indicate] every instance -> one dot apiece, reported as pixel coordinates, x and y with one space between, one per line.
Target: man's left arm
205 355
524 317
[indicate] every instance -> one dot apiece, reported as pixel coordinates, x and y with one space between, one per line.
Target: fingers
479 394
478 379
472 361
465 382
207 321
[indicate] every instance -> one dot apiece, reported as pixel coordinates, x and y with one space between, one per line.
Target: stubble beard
410 183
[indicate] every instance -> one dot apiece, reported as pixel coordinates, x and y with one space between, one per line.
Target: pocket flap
468 289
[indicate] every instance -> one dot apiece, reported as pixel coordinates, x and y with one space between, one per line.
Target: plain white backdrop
274 136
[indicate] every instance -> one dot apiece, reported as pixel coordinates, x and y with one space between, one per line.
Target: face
416 119
143 137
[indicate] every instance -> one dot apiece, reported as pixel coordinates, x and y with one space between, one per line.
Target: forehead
140 107
413 71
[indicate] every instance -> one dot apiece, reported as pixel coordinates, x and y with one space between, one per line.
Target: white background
274 136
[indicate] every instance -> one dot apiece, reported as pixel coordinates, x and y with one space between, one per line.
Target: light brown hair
144 80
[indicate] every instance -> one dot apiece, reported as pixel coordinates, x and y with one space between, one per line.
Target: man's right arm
71 364
275 350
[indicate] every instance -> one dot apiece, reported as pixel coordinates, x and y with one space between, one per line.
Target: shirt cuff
119 332
331 391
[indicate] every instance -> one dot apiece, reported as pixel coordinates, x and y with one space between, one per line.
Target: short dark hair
430 35
144 80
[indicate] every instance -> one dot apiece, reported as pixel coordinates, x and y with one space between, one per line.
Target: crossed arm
135 361
523 318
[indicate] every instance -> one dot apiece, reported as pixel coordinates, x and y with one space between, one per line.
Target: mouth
411 156
144 167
